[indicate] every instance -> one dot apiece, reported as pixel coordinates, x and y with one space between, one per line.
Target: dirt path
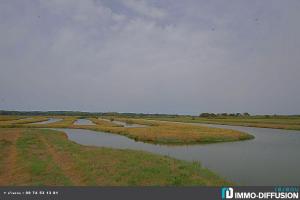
66 163
10 158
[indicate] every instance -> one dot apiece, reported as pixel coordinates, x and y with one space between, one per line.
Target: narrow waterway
83 122
50 120
125 124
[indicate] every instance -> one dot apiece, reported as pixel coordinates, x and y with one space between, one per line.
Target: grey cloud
150 56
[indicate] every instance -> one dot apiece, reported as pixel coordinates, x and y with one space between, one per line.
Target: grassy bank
46 157
282 122
155 132
170 133
11 120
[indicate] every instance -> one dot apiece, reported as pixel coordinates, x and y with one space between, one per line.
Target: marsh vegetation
46 157
153 131
51 150
34 156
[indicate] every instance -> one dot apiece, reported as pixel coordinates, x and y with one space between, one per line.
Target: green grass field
277 122
39 157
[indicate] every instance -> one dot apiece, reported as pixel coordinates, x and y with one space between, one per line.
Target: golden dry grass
172 133
10 117
23 120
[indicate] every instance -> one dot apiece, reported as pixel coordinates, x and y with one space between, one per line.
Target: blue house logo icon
227 192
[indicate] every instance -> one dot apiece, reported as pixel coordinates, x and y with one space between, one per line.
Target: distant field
47 157
9 117
289 123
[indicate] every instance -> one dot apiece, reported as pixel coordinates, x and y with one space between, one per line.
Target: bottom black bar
143 193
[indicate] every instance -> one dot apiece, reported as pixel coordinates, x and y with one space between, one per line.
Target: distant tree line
212 115
50 113
136 115
140 115
77 113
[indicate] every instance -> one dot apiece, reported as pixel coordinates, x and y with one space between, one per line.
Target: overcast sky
150 56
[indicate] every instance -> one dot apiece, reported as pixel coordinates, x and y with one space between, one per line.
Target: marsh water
83 122
50 120
125 124
272 158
